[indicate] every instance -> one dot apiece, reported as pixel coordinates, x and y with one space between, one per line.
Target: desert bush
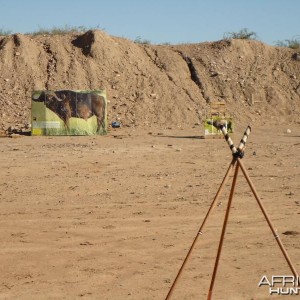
292 43
5 32
244 34
62 30
139 40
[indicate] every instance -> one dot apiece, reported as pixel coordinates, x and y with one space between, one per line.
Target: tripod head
236 152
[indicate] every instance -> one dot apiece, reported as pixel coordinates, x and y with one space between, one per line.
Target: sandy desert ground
113 217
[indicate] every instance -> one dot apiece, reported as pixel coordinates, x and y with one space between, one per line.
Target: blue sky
159 21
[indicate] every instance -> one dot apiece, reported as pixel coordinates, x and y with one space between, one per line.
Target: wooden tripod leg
199 232
285 254
223 233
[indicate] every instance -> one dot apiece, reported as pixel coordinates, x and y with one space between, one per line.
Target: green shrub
243 34
139 40
5 32
62 30
293 43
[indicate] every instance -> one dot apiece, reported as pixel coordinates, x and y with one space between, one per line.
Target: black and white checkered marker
244 139
228 139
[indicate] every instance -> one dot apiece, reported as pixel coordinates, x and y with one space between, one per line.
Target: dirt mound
151 85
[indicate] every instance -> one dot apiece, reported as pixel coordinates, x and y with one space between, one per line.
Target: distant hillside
151 85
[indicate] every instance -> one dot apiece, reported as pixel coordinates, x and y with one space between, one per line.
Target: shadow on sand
195 137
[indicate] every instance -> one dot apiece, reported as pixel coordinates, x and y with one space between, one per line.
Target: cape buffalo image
67 104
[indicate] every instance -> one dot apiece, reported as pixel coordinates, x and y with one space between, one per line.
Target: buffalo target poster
67 112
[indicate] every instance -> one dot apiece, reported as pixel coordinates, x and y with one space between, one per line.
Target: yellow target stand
217 115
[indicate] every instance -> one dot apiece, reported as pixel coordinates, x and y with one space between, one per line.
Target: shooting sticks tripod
238 154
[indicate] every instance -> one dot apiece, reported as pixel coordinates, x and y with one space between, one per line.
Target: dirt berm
168 86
